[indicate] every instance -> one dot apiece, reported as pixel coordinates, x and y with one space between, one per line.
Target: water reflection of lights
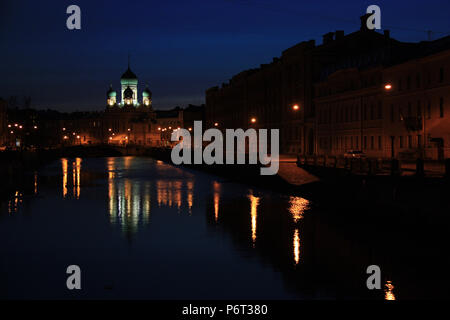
35 182
170 193
190 195
64 172
77 174
216 187
297 207
13 204
296 247
129 202
254 202
389 291
76 177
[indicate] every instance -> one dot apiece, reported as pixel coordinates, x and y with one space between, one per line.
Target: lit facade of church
129 92
128 119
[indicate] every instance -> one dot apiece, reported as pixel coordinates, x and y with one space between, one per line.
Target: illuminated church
128 119
129 92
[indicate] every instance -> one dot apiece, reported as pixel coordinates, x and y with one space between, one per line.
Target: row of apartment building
362 91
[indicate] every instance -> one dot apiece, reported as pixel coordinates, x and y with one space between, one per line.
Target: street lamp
388 86
295 107
216 124
253 120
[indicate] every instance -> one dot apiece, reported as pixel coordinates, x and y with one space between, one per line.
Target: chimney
339 34
328 37
364 21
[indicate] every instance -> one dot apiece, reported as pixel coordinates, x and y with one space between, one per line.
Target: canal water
142 229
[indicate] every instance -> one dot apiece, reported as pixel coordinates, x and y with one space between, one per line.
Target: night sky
180 48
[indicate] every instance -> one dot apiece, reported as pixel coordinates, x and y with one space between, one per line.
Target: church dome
147 93
128 75
111 92
128 93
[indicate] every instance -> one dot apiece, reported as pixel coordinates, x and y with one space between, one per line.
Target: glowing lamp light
78 137
20 127
64 129
295 107
12 132
190 129
65 137
216 124
388 86
253 120
159 128
109 129
9 126
110 138
15 125
73 133
129 129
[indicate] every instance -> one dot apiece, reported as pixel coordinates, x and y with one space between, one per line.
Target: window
379 143
372 142
441 107
409 141
401 141
357 142
419 141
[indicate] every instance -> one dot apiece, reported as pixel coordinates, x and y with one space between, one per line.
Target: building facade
392 108
331 98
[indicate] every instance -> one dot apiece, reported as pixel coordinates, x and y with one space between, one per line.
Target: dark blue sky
180 48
